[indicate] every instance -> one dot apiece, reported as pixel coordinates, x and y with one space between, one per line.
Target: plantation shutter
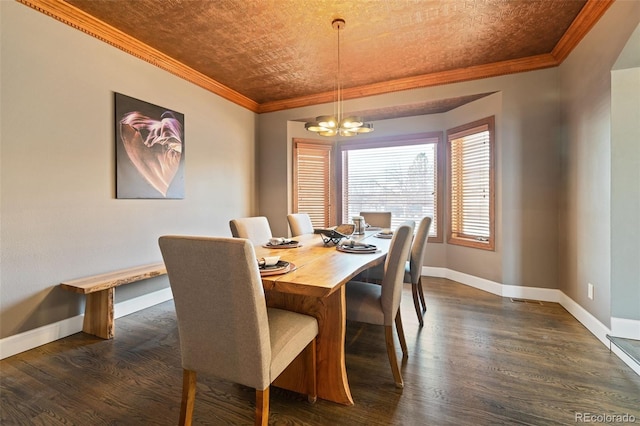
471 190
312 183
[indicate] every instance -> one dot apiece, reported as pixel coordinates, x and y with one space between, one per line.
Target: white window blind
312 182
401 179
471 187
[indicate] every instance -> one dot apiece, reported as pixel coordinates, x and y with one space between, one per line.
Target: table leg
331 368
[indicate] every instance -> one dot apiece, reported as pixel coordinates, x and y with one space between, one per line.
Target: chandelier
336 124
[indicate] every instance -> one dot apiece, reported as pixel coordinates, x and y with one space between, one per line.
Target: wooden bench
100 290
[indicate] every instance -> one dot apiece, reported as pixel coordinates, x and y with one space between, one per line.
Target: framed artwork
149 150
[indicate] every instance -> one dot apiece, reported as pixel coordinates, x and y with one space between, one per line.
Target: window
312 183
400 175
471 184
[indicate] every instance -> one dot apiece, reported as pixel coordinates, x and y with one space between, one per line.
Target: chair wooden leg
262 407
188 397
312 393
416 303
421 294
400 331
391 351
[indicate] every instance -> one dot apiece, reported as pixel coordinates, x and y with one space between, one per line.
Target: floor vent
529 301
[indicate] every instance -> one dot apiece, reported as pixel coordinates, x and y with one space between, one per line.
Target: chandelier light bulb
327 121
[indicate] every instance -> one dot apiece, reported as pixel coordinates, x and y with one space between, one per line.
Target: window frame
453 237
401 140
330 148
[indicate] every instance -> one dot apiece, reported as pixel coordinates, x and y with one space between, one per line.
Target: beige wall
59 216
585 213
625 182
527 169
625 191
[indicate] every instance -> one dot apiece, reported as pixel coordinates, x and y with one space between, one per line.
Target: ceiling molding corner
586 19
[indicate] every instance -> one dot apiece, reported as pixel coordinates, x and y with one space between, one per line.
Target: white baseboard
39 336
532 293
142 302
48 333
626 328
620 327
585 318
626 359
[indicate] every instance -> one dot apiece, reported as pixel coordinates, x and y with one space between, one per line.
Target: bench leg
98 314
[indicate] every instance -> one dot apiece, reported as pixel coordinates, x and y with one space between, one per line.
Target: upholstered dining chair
413 268
377 219
413 271
256 229
300 224
225 328
380 304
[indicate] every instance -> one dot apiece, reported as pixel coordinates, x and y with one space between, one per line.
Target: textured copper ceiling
279 50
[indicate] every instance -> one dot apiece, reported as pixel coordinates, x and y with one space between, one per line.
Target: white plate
290 244
279 267
366 249
385 236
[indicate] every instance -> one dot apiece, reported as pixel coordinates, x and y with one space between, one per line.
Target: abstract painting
149 150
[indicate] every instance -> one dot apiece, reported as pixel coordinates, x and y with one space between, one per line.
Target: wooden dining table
316 286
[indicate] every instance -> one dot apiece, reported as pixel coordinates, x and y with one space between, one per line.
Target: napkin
268 261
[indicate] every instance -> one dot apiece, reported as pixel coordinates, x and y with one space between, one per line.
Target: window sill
472 243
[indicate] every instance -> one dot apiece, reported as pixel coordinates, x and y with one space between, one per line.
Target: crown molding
76 18
586 19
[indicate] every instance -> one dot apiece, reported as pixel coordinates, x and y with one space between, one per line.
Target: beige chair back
378 219
220 306
300 224
380 304
418 248
394 267
256 229
224 325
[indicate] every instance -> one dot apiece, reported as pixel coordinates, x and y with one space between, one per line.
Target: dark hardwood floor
479 360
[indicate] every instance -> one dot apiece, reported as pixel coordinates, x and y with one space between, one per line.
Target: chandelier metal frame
336 124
